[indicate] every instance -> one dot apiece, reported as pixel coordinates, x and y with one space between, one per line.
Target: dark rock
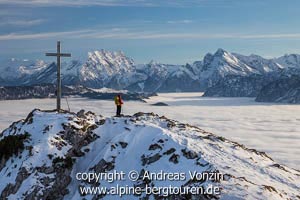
270 188
150 159
170 151
159 104
123 144
81 114
160 141
153 147
13 188
86 150
101 122
279 167
139 114
189 154
29 118
46 129
103 166
174 158
171 124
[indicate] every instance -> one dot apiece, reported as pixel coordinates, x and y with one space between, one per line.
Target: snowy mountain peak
289 60
154 62
226 56
17 68
107 54
220 52
110 59
53 147
219 60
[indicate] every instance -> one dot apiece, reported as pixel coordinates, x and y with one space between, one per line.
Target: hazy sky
177 31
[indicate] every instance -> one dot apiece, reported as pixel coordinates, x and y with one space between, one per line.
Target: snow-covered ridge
143 142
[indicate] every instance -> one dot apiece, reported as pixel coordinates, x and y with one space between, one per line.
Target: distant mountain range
218 74
103 69
49 91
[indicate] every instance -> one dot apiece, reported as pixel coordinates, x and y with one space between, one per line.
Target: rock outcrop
284 90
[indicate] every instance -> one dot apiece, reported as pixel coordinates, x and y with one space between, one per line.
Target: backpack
117 101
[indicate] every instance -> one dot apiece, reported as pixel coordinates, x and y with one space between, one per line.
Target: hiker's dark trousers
119 110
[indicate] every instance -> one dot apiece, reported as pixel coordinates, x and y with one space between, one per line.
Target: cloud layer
148 3
21 22
118 33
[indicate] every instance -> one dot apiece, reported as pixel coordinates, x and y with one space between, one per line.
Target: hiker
118 102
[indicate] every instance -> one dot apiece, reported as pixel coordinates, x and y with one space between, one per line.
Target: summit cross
58 55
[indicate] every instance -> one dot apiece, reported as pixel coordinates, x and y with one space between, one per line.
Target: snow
148 131
250 172
43 145
71 69
110 62
16 68
114 69
224 63
103 66
109 90
273 128
291 60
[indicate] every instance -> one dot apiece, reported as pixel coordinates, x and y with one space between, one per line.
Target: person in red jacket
118 102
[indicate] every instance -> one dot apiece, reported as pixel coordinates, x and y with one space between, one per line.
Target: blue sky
176 32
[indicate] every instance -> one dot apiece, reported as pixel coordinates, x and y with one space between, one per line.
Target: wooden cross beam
58 54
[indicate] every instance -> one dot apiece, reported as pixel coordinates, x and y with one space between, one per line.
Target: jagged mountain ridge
58 145
266 87
13 70
283 90
237 86
115 70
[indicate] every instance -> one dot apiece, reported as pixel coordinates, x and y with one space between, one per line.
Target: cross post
58 54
